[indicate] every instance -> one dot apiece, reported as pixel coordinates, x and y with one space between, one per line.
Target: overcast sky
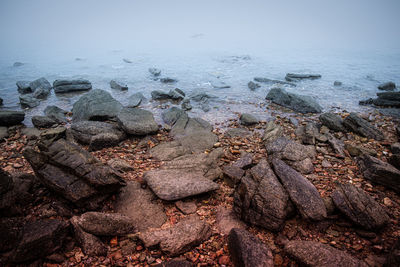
87 25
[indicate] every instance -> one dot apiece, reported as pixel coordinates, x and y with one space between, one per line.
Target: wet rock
24 87
358 125
51 135
292 77
271 81
248 119
332 121
106 224
28 101
140 206
175 94
301 191
179 238
56 113
233 174
97 105
236 132
359 207
186 105
18 64
253 86
117 85
202 97
219 84
186 207
127 60
272 132
135 100
388 86
247 250
120 165
337 83
168 80
1 101
11 117
356 151
43 122
67 86
379 172
337 145
261 200
172 115
73 173
298 103
137 121
40 88
226 220
311 253
159 95
155 72
3 133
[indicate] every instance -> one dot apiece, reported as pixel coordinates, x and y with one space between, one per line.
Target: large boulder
43 122
97 105
388 86
292 77
358 125
261 200
66 86
137 121
40 88
11 117
247 250
298 103
28 101
24 87
332 121
301 191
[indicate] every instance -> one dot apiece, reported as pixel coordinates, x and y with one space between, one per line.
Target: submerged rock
292 77
18 64
337 83
66 86
117 85
253 86
168 80
11 117
24 87
298 103
135 100
388 86
137 121
175 94
28 101
155 72
219 84
358 125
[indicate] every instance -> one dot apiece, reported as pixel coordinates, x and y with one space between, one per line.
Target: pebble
388 202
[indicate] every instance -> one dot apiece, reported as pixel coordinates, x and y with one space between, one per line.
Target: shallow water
359 72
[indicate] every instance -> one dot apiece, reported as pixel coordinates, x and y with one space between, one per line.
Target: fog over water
200 42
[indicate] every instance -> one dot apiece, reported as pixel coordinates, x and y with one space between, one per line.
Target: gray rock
43 122
272 132
271 81
28 101
337 83
120 165
97 105
137 121
332 121
394 96
168 80
359 207
236 132
301 191
298 103
135 100
40 88
253 86
172 115
3 133
247 250
31 133
226 220
159 95
245 161
248 119
337 145
233 175
11 117
1 101
175 94
18 64
24 87
358 125
185 126
186 105
155 72
202 97
66 86
186 207
106 224
127 60
56 113
388 86
356 151
292 77
117 85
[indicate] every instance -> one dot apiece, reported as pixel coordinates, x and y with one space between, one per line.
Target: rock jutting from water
118 85
388 86
272 81
292 77
11 117
66 86
40 88
28 101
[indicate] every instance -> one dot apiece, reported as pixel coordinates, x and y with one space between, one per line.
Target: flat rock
272 132
388 86
332 121
66 86
43 122
106 224
135 100
24 87
226 220
168 80
301 191
120 165
236 132
11 117
356 151
272 81
137 121
248 119
359 207
292 77
186 207
179 238
315 254
358 125
247 250
56 113
28 101
118 85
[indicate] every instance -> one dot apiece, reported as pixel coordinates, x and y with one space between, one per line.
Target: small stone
186 207
388 202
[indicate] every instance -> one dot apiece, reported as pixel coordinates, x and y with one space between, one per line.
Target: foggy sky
55 26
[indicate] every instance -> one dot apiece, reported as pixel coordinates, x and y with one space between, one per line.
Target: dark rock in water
175 94
106 224
66 86
189 232
118 85
159 95
172 115
292 77
358 125
155 72
366 102
315 254
3 132
43 122
386 103
186 105
379 172
332 121
56 113
271 81
388 86
202 97
248 119
40 238
28 101
253 86
298 103
337 83
168 80
261 200
137 121
394 96
127 60
97 105
1 101
135 100
301 191
40 88
359 207
11 117
247 250
24 87
97 134
74 173
18 64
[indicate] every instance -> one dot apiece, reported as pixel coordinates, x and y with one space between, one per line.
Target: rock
359 207
202 97
18 64
292 77
337 145
332 121
326 164
97 105
219 84
73 173
127 60
356 151
41 92
388 86
186 207
67 86
393 259
97 134
40 83
1 101
31 133
168 80
244 162
248 119
117 85
186 105
301 191
56 113
40 238
236 132
358 125
159 95
395 148
315 254
140 206
337 83
272 132
253 86
28 101
309 134
11 117
247 250
155 72
175 94
106 224
234 175
43 122
3 133
271 81
120 165
379 172
135 100
24 87
298 103
137 121
53 134
261 200
226 220
189 232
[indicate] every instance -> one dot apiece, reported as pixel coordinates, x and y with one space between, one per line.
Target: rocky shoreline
104 184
